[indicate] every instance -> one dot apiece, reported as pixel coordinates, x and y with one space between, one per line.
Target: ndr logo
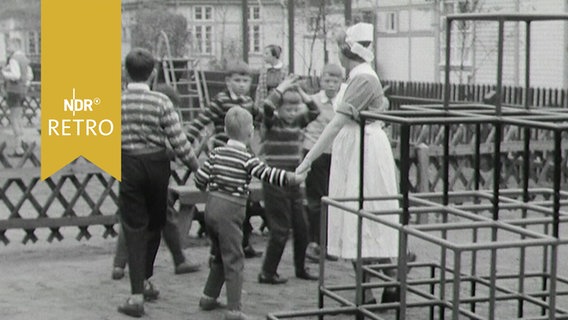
79 105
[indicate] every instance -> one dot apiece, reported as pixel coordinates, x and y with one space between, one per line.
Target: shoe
251 253
235 315
186 267
391 295
150 293
330 257
306 275
129 308
117 273
313 252
274 279
208 304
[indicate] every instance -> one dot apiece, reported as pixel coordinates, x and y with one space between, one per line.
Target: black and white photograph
309 159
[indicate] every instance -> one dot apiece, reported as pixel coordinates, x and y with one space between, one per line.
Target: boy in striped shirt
238 80
284 206
149 122
226 174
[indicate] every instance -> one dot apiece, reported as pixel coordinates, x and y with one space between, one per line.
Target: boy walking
148 121
284 207
226 174
238 80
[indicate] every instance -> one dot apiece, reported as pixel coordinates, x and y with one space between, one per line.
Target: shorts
14 99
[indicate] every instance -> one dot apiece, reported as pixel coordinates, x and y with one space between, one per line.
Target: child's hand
305 97
289 82
297 178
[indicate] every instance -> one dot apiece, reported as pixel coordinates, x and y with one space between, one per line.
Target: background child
227 173
332 88
271 74
148 121
238 79
170 231
284 207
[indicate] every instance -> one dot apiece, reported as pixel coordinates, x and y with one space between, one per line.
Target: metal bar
245 31
359 293
508 16
291 35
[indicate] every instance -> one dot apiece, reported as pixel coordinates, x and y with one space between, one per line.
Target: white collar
362 68
325 99
237 144
279 65
138 86
233 95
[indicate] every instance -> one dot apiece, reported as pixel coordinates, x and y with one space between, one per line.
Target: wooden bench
188 196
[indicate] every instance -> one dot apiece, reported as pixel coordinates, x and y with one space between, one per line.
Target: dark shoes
306 275
150 293
271 279
208 304
132 309
186 267
251 253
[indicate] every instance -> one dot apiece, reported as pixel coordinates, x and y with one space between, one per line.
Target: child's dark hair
170 92
346 51
237 67
275 50
139 64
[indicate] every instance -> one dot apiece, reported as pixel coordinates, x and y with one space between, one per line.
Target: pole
245 9
291 36
347 10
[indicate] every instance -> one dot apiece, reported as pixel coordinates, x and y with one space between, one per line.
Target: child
238 80
317 181
227 173
170 231
148 121
271 74
284 207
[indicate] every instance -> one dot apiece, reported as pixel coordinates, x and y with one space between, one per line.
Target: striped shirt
149 121
215 113
229 170
283 141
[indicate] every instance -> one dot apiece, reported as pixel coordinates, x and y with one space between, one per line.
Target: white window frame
255 38
203 12
203 46
35 38
251 13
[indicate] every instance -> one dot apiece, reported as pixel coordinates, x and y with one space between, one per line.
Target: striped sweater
283 141
215 113
149 121
229 170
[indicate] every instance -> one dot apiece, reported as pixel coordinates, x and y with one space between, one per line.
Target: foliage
150 21
27 12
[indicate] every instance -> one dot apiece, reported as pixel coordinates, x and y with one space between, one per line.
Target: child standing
226 174
317 181
238 80
284 207
148 121
170 232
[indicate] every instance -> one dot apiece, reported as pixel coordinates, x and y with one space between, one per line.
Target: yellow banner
80 84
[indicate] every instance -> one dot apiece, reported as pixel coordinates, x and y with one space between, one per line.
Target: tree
153 19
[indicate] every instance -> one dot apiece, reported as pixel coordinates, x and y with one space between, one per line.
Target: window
203 35
391 22
203 30
203 13
254 38
254 29
33 43
254 13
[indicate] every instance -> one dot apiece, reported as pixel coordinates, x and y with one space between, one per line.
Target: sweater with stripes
229 169
149 121
283 141
215 113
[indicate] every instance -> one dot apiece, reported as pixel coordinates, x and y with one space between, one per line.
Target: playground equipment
494 254
185 76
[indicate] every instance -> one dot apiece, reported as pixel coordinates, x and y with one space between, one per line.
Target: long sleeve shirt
282 140
215 113
229 170
149 121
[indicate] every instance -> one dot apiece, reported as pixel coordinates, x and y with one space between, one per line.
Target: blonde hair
237 122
